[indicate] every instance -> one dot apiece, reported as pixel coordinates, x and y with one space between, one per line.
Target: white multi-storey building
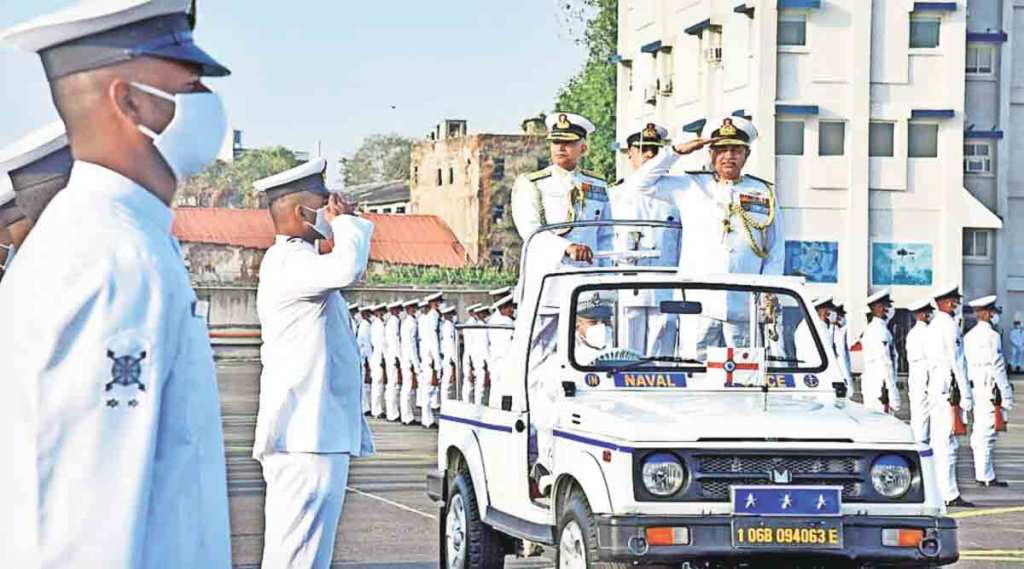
887 125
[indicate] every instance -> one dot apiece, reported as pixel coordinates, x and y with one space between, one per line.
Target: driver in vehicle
593 330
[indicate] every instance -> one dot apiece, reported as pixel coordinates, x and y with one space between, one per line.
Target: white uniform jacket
363 339
479 348
449 347
946 354
409 332
112 446
550 196
310 389
983 349
430 341
880 359
392 338
499 340
703 203
377 340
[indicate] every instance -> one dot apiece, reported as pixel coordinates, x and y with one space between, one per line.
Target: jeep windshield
733 333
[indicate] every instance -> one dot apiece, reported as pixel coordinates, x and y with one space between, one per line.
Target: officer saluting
983 348
309 424
108 404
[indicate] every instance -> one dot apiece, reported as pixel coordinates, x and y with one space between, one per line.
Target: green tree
591 92
230 184
380 158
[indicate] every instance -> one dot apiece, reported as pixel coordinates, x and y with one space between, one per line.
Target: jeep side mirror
840 388
569 388
506 402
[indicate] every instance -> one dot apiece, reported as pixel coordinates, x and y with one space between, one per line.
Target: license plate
787 533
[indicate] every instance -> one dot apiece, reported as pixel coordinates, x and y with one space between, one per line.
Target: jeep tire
468 543
577 535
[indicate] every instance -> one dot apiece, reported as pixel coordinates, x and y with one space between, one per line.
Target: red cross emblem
730 365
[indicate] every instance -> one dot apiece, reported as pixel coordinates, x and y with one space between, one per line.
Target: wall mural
901 264
817 261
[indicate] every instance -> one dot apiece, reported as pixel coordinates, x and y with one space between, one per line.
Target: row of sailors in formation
950 374
410 350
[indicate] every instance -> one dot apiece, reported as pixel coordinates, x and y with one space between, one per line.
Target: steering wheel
618 355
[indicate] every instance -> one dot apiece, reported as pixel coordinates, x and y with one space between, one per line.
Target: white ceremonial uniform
449 355
377 366
499 341
309 420
643 327
917 380
392 356
806 348
946 355
879 367
409 330
430 366
365 349
708 248
112 445
1017 348
983 349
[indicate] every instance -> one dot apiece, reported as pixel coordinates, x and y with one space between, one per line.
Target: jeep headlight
663 474
890 475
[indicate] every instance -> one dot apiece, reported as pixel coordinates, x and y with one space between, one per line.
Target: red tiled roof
399 239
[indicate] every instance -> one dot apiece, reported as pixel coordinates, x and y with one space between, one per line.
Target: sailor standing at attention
309 424
919 368
878 382
377 361
392 357
112 443
409 335
365 349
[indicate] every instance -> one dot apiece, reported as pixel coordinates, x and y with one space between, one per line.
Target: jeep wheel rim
455 533
572 550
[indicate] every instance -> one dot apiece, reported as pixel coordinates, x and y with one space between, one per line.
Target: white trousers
305 495
647 331
448 382
468 380
392 391
983 435
429 397
366 396
917 386
871 389
944 445
407 394
376 388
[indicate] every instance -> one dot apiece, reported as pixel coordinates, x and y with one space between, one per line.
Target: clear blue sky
331 70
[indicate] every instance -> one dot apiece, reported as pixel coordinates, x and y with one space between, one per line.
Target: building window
451 176
497 213
789 138
880 139
400 209
923 140
831 138
924 31
385 210
792 30
499 169
980 59
977 158
440 177
977 245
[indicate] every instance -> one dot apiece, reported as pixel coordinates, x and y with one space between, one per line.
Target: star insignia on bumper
751 501
787 501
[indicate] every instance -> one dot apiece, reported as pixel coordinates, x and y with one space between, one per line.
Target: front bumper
711 539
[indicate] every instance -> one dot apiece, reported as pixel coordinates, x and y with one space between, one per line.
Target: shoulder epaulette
538 175
592 174
763 181
695 172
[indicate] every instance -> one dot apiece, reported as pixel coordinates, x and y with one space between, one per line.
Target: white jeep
732 444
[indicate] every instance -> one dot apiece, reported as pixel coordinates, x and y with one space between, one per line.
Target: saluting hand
337 205
690 146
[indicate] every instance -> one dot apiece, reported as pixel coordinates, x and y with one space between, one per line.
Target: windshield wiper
784 359
650 359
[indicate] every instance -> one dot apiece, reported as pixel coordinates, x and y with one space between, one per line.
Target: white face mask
597 336
11 249
994 319
833 318
192 139
320 225
889 313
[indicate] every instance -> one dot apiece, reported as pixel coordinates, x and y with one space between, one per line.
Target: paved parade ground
389 522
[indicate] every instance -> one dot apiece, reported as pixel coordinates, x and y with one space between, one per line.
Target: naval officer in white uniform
112 446
919 368
986 368
731 223
878 382
643 327
392 358
410 363
310 423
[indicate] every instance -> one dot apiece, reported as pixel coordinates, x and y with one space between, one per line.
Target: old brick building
466 180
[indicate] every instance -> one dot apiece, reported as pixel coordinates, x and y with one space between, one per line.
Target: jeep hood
716 416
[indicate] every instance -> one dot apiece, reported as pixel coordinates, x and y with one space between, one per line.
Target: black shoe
959 502
992 483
